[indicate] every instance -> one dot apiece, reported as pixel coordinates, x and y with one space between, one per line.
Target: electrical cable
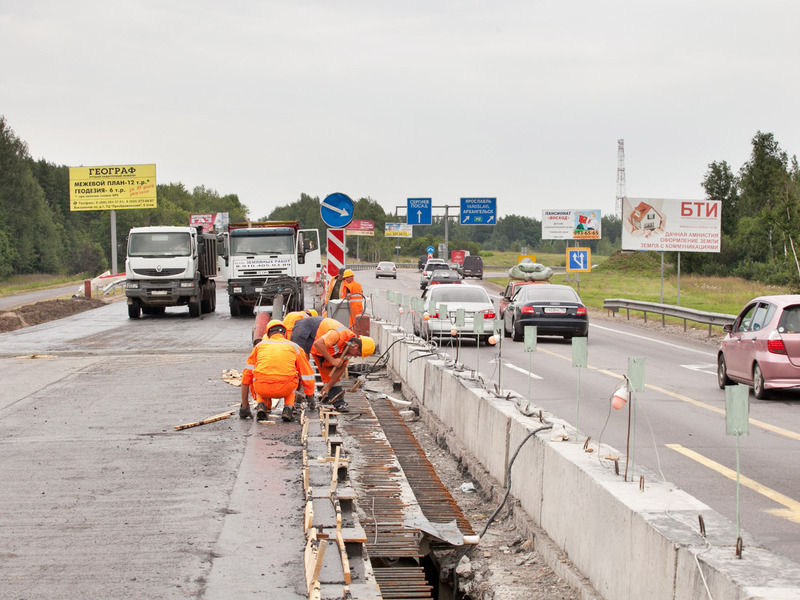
499 508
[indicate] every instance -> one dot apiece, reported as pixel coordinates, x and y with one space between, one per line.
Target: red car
762 346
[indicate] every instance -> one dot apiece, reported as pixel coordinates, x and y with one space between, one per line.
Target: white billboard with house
671 225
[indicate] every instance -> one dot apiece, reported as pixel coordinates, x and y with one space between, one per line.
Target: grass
36 281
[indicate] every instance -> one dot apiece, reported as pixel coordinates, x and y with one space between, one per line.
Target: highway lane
17 300
679 430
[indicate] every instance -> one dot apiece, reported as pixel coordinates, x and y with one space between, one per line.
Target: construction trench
377 517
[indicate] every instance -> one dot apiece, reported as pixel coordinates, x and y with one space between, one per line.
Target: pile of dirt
42 312
627 261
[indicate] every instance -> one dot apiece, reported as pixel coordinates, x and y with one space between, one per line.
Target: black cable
499 508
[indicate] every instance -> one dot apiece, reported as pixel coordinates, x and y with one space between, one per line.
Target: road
679 429
102 498
17 300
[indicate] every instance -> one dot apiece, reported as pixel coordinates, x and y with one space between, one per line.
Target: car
553 309
510 290
444 276
472 298
386 268
473 267
456 266
421 262
761 348
430 267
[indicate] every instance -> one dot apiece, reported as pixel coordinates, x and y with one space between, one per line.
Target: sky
523 101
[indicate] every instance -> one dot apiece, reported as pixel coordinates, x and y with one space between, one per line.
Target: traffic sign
418 211
337 210
579 260
430 249
335 251
478 211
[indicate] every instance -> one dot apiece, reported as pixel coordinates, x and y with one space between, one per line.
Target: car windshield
436 266
541 293
458 293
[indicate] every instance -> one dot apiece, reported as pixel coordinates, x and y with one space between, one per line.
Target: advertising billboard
360 227
671 225
399 230
571 224
211 222
115 187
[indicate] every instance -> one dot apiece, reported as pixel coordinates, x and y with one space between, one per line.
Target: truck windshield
159 244
262 244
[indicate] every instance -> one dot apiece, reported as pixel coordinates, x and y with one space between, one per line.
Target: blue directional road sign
478 211
430 249
579 260
419 211
337 210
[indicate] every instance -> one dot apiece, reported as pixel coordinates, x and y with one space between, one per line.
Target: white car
386 268
473 299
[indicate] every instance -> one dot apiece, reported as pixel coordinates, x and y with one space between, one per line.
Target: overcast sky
519 100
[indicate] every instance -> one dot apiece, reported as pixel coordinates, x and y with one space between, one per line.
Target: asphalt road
102 498
678 432
10 302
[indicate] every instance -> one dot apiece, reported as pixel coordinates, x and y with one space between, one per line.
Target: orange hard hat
275 323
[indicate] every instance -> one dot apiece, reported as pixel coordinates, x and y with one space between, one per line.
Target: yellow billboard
116 187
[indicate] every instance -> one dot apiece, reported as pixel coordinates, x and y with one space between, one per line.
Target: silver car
472 298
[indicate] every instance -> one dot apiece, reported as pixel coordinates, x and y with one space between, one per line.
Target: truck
170 266
265 259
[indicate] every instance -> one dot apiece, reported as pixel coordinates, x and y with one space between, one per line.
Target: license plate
258 290
159 293
555 310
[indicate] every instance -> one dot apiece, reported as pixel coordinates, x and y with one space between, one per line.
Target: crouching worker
274 369
332 345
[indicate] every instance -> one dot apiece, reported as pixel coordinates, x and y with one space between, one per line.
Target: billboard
398 230
671 225
211 222
571 224
360 227
116 187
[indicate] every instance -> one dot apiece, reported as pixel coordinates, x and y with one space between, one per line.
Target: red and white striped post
335 251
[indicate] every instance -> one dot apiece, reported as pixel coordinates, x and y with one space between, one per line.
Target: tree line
39 234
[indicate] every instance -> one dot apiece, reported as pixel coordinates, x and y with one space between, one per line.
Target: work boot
261 411
245 412
340 406
311 403
288 413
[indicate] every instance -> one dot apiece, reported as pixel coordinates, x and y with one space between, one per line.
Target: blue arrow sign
419 211
430 249
478 211
579 260
336 210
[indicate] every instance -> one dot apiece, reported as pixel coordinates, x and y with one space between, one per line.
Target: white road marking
709 368
649 339
516 368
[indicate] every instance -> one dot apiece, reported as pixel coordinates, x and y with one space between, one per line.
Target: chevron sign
335 251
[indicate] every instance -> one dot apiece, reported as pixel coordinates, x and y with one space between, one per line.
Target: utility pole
621 185
446 208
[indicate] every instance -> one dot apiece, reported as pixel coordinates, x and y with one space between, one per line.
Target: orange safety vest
336 337
291 319
277 360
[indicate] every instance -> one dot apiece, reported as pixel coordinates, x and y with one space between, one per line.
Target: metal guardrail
668 310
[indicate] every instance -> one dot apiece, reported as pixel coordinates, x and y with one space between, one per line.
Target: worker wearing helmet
291 319
352 291
331 344
274 369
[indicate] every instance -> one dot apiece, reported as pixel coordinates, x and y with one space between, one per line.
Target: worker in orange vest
331 344
292 318
274 369
352 291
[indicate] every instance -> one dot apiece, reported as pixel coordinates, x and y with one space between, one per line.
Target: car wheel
722 372
759 388
516 333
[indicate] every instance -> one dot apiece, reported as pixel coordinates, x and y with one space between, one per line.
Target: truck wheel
194 308
134 310
235 306
205 305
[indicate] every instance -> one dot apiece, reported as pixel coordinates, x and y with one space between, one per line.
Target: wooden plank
343 553
354 534
335 470
218 417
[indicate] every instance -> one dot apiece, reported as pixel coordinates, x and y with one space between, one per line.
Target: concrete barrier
630 541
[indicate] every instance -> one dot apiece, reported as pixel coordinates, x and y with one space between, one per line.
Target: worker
274 369
331 344
352 292
292 318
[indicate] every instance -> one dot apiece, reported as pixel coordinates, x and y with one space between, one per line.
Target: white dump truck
170 266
